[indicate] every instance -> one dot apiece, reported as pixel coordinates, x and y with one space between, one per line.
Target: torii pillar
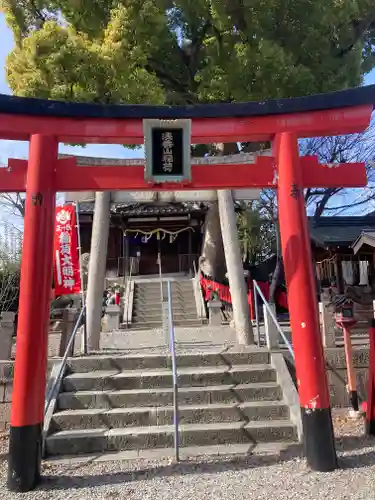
27 412
307 340
46 123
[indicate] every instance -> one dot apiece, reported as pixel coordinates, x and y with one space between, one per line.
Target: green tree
256 232
163 51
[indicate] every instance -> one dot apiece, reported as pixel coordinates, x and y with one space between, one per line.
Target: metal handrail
272 315
172 348
128 277
57 382
256 308
160 277
127 283
195 268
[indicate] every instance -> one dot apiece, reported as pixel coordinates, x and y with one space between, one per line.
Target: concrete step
138 326
176 304
133 438
157 291
145 311
144 416
146 379
248 356
276 449
148 325
177 318
145 317
155 299
145 325
149 285
266 391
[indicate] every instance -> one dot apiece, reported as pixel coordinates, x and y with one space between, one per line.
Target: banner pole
84 338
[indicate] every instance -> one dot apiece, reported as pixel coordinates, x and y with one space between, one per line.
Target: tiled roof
144 209
339 231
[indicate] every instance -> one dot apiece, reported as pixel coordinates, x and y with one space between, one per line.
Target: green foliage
163 51
256 233
9 288
10 266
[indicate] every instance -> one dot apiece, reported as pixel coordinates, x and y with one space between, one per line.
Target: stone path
138 341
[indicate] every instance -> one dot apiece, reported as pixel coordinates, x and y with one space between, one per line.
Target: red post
370 410
310 366
31 350
352 379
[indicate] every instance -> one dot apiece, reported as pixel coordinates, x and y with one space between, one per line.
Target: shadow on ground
65 478
188 467
215 465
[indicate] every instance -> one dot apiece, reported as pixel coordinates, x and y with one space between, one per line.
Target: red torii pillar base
27 413
309 355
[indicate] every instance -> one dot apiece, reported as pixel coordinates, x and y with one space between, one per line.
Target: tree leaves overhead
187 51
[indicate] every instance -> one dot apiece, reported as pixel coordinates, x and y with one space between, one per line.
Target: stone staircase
147 311
122 403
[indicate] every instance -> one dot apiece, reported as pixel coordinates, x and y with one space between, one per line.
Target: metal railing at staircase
128 294
272 315
172 348
168 326
54 390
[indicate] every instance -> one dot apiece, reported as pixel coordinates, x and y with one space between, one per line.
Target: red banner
66 269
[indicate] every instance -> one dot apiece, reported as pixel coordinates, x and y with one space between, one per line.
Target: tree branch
174 84
320 207
355 204
194 49
359 28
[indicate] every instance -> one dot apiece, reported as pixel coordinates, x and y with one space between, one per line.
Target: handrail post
256 311
174 373
274 318
270 328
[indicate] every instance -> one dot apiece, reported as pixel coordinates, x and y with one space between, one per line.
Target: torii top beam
333 113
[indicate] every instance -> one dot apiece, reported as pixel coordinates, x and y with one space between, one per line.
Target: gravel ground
278 477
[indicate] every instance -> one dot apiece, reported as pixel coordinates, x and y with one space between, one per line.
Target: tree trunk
277 273
276 279
212 260
97 268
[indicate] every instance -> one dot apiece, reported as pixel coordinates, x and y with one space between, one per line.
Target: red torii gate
46 123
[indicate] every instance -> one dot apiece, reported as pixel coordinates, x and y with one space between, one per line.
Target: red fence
209 286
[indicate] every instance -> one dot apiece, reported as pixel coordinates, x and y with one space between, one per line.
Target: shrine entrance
167 133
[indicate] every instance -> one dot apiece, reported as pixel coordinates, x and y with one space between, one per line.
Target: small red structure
344 317
369 406
46 123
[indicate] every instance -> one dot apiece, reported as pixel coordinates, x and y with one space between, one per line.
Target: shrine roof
142 209
43 107
339 231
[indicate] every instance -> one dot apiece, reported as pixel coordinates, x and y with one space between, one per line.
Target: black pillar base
353 398
370 427
319 440
25 457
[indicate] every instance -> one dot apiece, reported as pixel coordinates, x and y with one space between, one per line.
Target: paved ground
138 341
280 477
